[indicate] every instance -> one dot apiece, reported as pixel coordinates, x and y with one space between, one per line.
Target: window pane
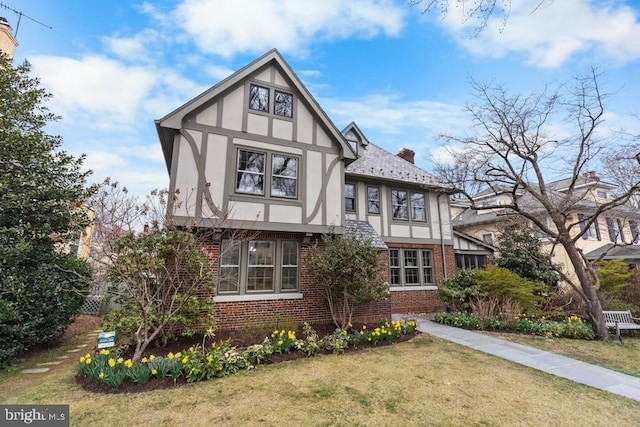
427 266
399 204
394 263
350 197
250 176
289 266
260 270
373 195
259 98
285 176
283 105
411 272
417 207
229 271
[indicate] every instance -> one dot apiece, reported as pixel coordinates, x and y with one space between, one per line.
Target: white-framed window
601 194
616 233
411 267
350 197
488 238
373 199
260 97
590 233
252 179
258 266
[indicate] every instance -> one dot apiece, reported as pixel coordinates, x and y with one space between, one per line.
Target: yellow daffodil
104 352
144 360
128 363
120 359
152 357
82 359
190 348
185 360
280 342
88 361
154 372
101 375
112 363
170 355
178 355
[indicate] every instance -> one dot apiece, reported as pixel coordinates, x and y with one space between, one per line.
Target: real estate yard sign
106 339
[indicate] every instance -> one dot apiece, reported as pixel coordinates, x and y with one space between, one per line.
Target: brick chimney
591 175
407 154
8 42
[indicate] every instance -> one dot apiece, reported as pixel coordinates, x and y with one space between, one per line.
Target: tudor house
257 153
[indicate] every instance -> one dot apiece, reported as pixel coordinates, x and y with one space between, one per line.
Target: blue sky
402 76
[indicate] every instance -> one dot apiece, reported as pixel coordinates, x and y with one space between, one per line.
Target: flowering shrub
220 359
572 327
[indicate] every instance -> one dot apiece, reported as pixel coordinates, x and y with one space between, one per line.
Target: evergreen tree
41 194
521 252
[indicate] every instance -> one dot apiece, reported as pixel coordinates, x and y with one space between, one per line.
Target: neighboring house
616 231
257 153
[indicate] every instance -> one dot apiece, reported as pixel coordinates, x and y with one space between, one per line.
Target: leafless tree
474 10
627 154
512 149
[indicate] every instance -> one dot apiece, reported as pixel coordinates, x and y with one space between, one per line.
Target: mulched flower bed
184 343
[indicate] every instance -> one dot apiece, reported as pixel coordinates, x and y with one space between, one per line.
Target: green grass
427 381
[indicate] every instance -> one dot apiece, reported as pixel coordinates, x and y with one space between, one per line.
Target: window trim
242 291
394 205
271 101
273 175
259 86
492 235
275 102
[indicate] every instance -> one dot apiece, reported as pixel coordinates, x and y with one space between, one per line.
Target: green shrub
503 283
458 291
336 342
459 320
38 303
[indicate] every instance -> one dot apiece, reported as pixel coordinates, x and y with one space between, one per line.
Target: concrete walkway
561 366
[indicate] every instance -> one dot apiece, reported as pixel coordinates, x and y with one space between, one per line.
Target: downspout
444 258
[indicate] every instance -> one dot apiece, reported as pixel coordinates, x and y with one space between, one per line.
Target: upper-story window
350 197
284 179
418 207
283 105
601 194
373 199
399 204
250 174
260 97
488 238
615 230
402 204
591 233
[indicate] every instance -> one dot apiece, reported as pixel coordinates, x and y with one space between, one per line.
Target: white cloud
550 36
95 85
135 48
255 26
391 114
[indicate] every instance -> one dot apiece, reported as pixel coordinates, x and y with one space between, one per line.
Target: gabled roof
581 182
478 242
375 162
173 121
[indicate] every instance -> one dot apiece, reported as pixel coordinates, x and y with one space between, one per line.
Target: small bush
458 291
503 283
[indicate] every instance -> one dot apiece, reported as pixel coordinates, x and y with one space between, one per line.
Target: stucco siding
232 109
